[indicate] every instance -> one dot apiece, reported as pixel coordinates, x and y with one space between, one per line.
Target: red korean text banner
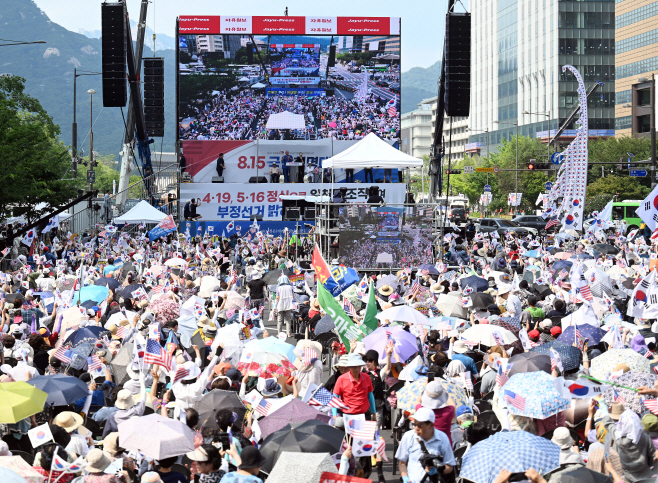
327 477
268 25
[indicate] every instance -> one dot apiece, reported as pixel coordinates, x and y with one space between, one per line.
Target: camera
432 463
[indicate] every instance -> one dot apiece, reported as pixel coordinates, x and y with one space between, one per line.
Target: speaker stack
154 96
458 64
113 43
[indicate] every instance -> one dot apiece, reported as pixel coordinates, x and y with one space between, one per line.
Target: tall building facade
517 52
636 54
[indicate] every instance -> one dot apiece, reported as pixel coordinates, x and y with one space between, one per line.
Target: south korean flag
648 210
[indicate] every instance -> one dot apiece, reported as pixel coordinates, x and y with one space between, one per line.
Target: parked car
457 215
500 225
382 83
536 222
395 87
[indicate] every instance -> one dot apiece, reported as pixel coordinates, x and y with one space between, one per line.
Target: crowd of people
506 356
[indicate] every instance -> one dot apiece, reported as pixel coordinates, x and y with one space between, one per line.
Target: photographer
424 451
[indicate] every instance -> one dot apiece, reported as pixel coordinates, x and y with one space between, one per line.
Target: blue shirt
108 269
410 452
467 361
285 160
234 477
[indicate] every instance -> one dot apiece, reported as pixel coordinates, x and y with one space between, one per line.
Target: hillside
419 83
162 41
48 70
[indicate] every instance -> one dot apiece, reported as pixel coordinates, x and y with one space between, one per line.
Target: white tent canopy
142 212
372 152
286 120
258 85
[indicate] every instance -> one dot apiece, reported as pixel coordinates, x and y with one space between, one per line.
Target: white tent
258 85
372 152
286 120
142 212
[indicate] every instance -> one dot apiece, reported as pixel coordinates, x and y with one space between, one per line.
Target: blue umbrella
539 398
61 389
478 284
569 354
430 268
109 282
581 256
272 344
531 254
97 293
560 264
517 451
10 476
89 334
512 320
594 334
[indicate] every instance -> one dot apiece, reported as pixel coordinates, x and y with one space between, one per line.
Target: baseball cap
423 415
463 410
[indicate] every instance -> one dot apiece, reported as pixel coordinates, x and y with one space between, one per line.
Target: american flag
552 222
501 377
468 382
94 363
263 407
234 277
121 332
618 398
651 405
415 288
514 399
349 308
158 288
309 356
364 430
60 354
649 355
381 449
323 397
5 251
155 354
586 293
181 372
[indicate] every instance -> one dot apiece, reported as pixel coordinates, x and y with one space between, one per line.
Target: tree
36 168
620 187
613 149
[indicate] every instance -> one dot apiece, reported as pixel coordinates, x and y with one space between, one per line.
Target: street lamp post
18 42
516 171
74 127
91 93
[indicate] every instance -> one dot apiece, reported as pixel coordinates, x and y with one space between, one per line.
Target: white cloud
50 51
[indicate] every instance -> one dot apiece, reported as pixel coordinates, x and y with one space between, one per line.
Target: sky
422 20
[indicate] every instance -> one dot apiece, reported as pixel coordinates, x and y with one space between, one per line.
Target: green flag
344 325
370 322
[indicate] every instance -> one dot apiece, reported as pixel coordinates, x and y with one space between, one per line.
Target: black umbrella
490 421
543 290
530 362
216 399
109 282
271 277
605 248
628 283
325 324
128 267
62 390
478 284
127 292
311 436
12 297
580 474
482 300
554 250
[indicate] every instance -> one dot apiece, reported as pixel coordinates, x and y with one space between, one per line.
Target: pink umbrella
332 124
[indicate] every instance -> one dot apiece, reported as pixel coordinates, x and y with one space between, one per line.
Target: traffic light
531 165
453 171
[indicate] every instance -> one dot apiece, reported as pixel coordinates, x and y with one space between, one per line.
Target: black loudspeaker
154 96
113 44
330 92
332 56
258 179
250 53
309 214
458 64
255 217
292 214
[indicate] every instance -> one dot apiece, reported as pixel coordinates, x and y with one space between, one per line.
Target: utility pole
74 127
92 163
652 126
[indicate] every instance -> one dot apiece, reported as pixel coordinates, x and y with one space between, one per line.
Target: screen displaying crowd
229 93
369 234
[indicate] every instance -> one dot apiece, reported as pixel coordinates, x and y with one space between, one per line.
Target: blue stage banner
246 228
282 91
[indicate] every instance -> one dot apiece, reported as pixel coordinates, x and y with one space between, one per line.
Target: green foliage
596 202
360 58
613 149
621 187
36 168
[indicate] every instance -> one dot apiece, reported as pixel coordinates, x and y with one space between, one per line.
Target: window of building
644 97
644 123
625 122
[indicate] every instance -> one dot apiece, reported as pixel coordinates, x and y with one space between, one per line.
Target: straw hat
437 288
125 399
111 444
616 410
97 461
385 290
68 420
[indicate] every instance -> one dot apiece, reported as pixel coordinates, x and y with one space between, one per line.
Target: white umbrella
228 336
207 285
484 334
118 317
407 373
403 313
156 437
451 305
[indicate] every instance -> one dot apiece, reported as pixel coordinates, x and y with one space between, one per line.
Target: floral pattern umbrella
607 362
267 365
350 294
165 309
631 400
541 399
408 395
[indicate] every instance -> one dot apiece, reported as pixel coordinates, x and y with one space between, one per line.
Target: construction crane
135 125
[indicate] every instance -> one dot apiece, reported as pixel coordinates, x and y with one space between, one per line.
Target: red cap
533 334
555 331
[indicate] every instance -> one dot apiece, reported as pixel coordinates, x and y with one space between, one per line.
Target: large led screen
237 87
385 237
